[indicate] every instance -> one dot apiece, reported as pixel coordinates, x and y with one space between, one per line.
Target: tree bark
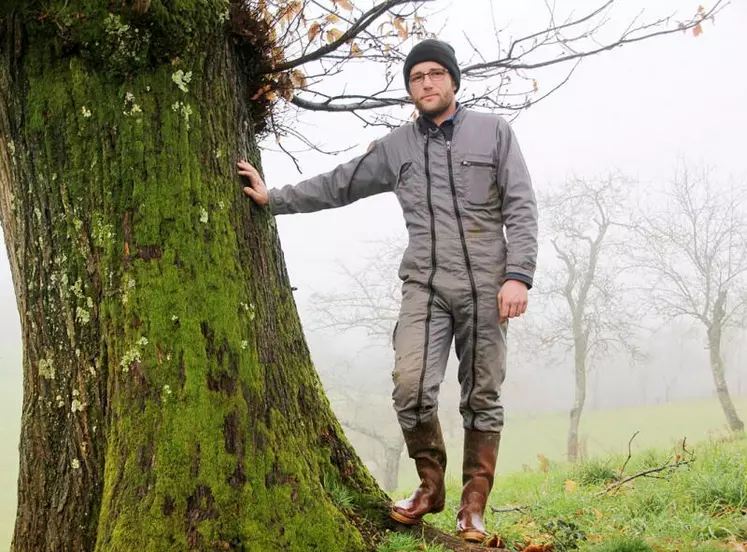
579 349
719 378
169 398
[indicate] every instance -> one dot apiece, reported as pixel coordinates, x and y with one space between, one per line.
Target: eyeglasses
436 75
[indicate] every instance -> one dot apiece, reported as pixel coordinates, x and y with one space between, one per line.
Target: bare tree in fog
370 301
363 413
585 310
695 252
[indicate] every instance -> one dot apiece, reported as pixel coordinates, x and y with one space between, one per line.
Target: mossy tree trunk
169 398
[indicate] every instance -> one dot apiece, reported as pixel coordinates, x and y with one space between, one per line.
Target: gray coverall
458 186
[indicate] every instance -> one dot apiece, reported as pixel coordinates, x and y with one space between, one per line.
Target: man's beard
439 109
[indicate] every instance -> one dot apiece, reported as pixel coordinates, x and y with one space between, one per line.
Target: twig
630 453
509 509
360 25
644 473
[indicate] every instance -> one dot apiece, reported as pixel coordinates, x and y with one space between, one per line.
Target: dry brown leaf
291 10
332 18
344 4
401 27
298 78
261 91
333 35
355 50
314 30
535 86
697 30
538 548
570 485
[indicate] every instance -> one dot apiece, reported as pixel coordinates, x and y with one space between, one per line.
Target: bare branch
359 26
357 106
627 37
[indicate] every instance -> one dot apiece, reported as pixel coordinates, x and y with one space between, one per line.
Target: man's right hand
256 189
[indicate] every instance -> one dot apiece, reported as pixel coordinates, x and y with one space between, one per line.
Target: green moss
220 430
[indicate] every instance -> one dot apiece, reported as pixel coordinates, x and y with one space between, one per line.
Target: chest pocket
479 175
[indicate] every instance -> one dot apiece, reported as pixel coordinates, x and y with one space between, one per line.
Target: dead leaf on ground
539 548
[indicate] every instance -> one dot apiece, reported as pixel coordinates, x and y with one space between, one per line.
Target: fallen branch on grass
630 453
679 461
644 473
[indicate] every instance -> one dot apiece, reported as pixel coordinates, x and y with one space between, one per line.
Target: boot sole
472 536
401 518
396 516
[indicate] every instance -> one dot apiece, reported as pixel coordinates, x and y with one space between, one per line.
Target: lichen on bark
169 399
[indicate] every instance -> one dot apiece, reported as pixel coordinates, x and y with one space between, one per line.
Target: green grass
697 504
700 506
606 432
400 542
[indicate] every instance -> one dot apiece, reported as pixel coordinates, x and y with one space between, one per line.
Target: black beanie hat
431 49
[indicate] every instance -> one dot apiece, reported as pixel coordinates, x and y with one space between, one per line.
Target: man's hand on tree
256 189
512 299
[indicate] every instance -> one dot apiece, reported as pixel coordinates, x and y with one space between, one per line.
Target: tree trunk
719 378
169 398
579 400
392 457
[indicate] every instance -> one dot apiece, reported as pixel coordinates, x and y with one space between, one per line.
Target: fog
643 111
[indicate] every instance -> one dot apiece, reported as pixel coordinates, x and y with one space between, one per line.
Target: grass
400 542
697 504
701 506
530 439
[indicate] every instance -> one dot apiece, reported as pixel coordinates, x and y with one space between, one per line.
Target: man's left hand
512 299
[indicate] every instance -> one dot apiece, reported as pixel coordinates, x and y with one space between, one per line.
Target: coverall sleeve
519 208
364 176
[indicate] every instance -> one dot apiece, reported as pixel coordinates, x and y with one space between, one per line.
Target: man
460 178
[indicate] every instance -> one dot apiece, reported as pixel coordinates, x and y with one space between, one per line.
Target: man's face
431 88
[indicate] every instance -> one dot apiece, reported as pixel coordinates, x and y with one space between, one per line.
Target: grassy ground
699 506
526 436
606 432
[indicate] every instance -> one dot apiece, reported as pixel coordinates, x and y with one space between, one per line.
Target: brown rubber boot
478 471
425 445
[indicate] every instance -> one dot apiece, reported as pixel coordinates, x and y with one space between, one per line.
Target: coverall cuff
276 203
526 280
